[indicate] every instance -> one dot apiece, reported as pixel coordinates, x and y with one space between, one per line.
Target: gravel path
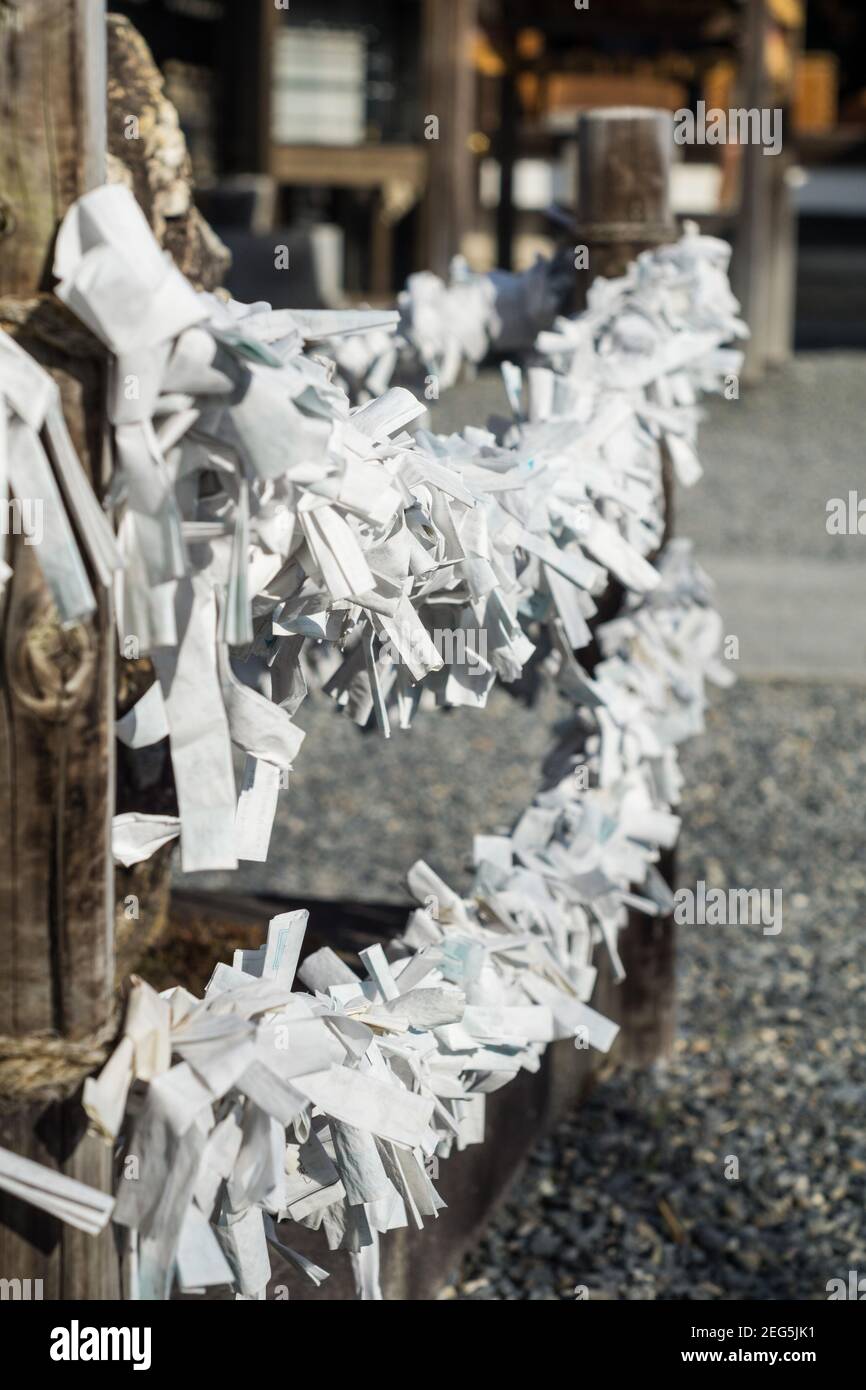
629 1198
360 809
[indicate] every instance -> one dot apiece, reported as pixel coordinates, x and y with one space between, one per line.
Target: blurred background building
372 138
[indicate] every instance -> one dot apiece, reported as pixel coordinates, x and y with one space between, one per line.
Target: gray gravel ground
629 1198
360 809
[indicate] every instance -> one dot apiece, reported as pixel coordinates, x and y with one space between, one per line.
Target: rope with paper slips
43 1067
682 591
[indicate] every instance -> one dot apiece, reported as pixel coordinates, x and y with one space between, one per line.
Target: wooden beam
348 166
56 684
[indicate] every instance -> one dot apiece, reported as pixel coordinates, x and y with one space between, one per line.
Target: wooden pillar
623 208
506 152
751 270
56 684
783 269
449 94
781 325
765 253
381 276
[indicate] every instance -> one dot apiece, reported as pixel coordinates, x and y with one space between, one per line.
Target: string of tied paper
259 514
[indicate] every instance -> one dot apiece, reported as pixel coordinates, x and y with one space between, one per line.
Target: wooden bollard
623 208
623 193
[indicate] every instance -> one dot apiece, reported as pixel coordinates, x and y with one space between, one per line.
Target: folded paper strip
273 531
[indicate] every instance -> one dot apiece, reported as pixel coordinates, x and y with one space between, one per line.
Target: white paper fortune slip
66 1198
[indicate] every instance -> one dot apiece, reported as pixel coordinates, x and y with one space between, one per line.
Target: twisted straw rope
40 1067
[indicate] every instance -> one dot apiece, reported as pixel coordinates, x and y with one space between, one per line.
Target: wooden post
623 194
623 208
56 685
449 89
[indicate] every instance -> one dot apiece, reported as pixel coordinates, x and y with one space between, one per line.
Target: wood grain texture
56 684
43 159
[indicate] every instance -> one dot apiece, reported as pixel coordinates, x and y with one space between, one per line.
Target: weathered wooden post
623 208
56 684
623 193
